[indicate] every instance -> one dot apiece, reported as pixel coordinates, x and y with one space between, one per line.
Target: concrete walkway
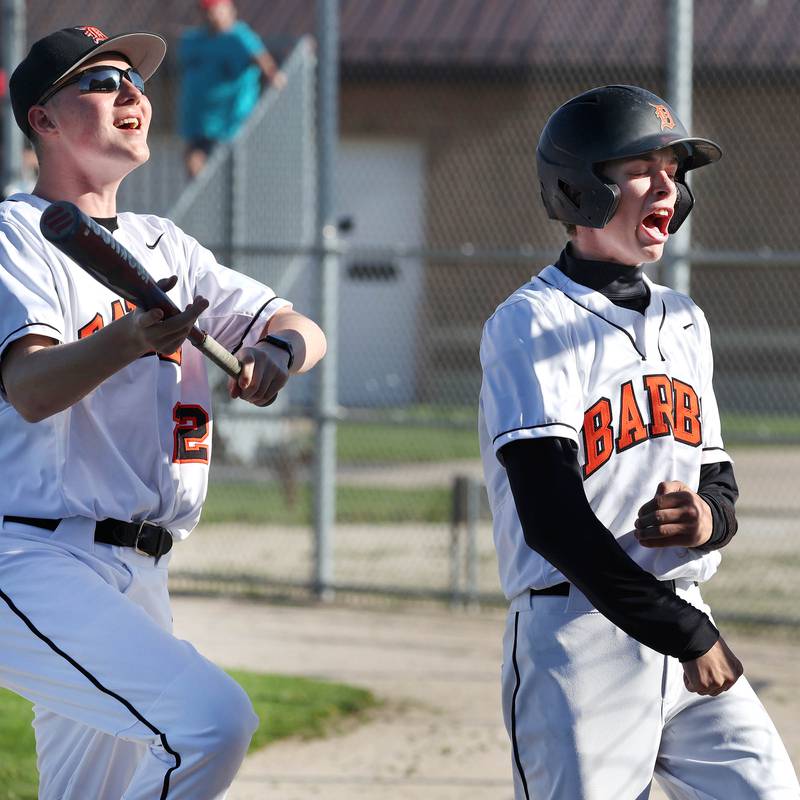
439 733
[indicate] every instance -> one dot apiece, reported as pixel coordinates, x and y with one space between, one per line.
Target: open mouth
128 124
656 224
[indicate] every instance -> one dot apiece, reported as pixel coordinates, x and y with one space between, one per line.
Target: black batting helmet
605 124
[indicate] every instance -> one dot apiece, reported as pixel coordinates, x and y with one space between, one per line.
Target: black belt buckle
163 542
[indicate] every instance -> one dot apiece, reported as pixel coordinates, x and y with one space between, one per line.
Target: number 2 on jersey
191 430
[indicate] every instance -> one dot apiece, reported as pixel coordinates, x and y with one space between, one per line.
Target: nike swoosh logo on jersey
155 243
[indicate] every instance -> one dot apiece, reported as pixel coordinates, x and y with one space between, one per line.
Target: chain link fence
439 219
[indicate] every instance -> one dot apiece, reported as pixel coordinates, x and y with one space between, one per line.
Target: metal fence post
13 52
473 515
679 66
237 199
457 521
328 261
464 540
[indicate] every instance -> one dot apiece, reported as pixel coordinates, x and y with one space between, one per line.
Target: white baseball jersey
632 390
138 446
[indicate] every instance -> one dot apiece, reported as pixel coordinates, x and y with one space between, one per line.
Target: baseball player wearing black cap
105 444
611 489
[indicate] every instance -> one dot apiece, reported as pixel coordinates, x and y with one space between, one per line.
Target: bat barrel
94 249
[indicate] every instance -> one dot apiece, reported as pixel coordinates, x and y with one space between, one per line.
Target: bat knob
60 221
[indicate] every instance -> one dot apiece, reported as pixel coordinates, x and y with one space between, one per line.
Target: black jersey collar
109 223
623 285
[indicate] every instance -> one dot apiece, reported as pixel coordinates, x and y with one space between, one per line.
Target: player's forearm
719 490
572 539
42 380
306 337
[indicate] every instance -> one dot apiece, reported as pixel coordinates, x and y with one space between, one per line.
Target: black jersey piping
518 681
532 427
252 322
162 736
29 325
613 324
663 319
721 449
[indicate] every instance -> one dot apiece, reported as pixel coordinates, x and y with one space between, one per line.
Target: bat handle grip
214 351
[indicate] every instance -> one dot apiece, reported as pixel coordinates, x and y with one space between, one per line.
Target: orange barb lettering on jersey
673 410
117 311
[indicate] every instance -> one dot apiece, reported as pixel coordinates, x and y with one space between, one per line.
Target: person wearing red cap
224 65
105 445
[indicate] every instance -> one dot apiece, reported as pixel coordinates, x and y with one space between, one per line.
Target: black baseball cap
55 56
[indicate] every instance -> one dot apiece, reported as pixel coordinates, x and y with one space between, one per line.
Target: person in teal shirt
224 65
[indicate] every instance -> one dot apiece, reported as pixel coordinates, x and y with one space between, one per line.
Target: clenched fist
675 517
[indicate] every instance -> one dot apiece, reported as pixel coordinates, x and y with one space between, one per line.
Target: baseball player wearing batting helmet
611 489
105 441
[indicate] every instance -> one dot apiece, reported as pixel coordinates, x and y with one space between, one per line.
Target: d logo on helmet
664 117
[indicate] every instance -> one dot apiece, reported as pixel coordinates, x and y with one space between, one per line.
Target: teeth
132 121
661 212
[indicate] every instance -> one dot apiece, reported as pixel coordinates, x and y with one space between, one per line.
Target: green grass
285 705
359 443
18 779
301 707
768 428
258 503
428 414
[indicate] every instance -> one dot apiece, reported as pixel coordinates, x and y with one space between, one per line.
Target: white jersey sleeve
29 297
713 447
239 306
531 385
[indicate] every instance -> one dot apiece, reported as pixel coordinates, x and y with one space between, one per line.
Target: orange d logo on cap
664 116
93 33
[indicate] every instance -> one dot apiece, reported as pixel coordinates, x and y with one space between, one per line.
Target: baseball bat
94 249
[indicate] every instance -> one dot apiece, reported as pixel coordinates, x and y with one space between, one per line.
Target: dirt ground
438 734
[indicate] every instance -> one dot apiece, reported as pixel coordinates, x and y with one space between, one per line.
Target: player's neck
92 200
590 251
596 272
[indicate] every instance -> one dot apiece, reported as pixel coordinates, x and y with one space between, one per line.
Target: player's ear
40 121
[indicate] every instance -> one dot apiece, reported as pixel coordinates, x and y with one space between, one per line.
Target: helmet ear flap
550 210
683 204
613 204
591 207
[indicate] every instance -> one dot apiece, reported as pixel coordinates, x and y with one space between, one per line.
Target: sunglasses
99 79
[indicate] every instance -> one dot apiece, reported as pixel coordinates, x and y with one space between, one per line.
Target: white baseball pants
593 715
122 708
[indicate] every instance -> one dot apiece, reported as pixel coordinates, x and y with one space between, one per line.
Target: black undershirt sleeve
559 524
718 488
